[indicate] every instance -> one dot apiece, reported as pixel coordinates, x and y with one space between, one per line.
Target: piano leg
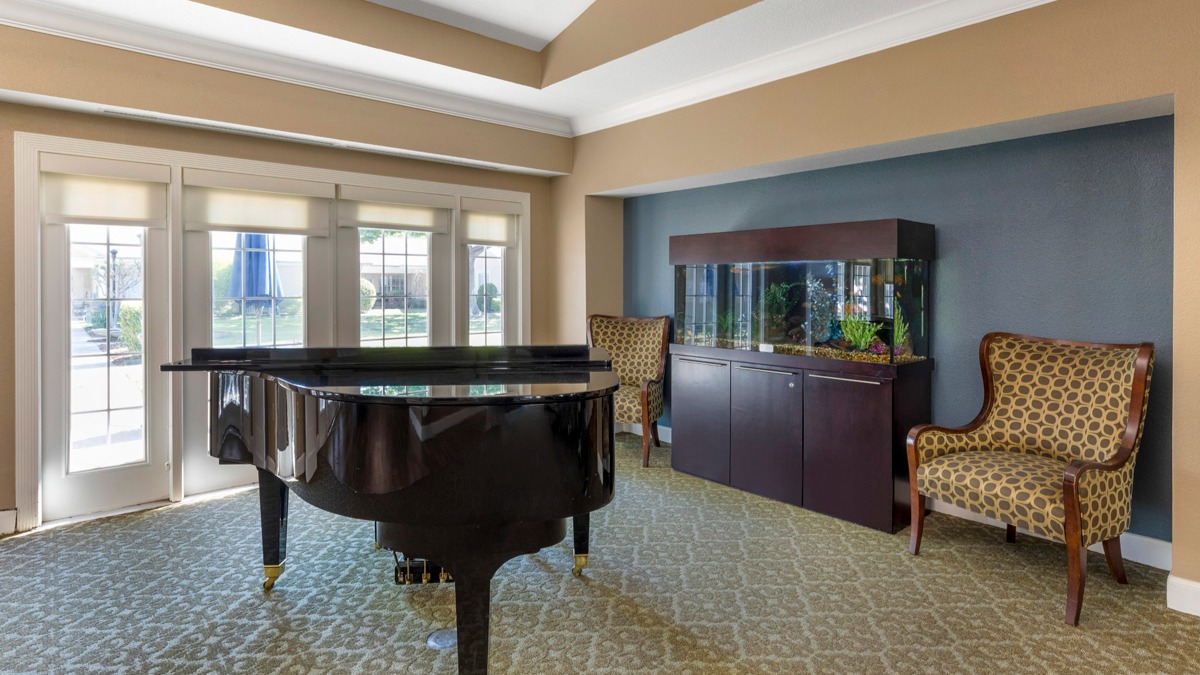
273 506
472 553
581 526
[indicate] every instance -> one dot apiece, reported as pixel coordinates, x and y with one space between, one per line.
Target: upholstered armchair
1051 452
638 348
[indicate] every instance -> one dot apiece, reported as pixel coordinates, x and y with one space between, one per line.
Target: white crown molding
97 29
861 40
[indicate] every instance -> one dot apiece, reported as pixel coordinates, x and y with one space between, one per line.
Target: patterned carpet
685 577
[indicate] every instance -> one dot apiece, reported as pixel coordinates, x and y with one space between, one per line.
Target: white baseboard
1134 547
1183 595
664 433
8 521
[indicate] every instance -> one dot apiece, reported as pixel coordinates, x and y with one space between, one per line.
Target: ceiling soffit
766 41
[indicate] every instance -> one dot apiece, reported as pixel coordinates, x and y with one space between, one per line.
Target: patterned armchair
638 348
1052 451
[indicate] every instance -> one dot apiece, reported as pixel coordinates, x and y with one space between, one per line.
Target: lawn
375 323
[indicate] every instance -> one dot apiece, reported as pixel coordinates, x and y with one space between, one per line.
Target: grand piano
465 457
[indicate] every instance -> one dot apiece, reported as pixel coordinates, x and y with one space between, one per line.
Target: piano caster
580 563
273 572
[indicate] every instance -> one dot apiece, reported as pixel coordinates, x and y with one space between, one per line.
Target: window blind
216 200
393 209
490 222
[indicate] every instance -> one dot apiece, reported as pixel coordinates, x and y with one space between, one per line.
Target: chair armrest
914 438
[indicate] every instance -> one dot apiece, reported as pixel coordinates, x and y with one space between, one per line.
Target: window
489 237
860 288
257 290
394 286
231 252
108 392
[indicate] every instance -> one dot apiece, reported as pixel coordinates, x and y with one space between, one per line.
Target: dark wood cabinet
700 412
766 431
823 434
848 448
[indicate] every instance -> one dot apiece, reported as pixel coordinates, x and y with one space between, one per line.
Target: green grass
227 331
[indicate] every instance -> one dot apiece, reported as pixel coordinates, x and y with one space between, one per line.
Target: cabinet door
847 448
767 421
700 417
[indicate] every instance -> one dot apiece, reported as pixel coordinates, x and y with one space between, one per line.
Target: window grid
394 273
107 419
257 290
861 289
485 304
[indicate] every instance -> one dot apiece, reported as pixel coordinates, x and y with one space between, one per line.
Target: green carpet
685 577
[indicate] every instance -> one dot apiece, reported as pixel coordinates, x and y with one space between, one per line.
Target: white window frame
28 279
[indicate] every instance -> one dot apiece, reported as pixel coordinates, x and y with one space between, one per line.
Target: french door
104 315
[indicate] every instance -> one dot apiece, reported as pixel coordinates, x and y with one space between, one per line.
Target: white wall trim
8 521
27 275
1183 595
664 433
27 343
1134 547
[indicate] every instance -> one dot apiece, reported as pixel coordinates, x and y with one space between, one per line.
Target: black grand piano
465 457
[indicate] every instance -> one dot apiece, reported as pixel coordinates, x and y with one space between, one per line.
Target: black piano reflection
466 457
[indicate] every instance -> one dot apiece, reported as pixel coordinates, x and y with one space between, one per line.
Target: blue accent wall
1065 235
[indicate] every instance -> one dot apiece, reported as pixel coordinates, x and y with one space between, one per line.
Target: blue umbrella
255 276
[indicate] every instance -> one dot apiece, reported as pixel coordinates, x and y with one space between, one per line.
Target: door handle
845 379
767 370
703 363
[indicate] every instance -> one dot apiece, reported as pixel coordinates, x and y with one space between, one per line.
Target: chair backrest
638 346
1062 399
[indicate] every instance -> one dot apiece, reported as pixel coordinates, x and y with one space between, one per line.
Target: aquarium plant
858 331
778 301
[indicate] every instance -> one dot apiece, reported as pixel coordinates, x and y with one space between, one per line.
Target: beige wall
1068 55
39 120
52 66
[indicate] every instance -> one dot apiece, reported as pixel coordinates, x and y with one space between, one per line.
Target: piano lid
422 375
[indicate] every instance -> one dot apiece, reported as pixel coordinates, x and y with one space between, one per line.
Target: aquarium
874 310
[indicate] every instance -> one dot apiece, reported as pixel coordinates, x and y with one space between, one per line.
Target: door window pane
108 373
393 267
485 304
257 290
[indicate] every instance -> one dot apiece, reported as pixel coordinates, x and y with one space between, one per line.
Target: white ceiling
531 24
766 41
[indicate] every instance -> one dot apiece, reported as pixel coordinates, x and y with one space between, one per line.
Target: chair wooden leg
654 433
1076 576
1116 565
645 447
918 523
1010 534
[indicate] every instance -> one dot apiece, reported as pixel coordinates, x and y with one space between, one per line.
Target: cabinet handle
703 363
767 370
844 379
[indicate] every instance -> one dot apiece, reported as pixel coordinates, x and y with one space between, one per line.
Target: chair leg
1010 534
1116 565
918 523
1076 576
645 447
654 433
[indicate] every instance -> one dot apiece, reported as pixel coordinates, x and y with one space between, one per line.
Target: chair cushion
627 403
1017 488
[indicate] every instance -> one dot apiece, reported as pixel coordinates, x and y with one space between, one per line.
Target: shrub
489 289
366 292
130 322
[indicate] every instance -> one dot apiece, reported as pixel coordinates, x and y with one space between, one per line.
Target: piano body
466 457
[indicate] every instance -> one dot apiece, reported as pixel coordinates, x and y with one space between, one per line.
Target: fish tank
858 309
